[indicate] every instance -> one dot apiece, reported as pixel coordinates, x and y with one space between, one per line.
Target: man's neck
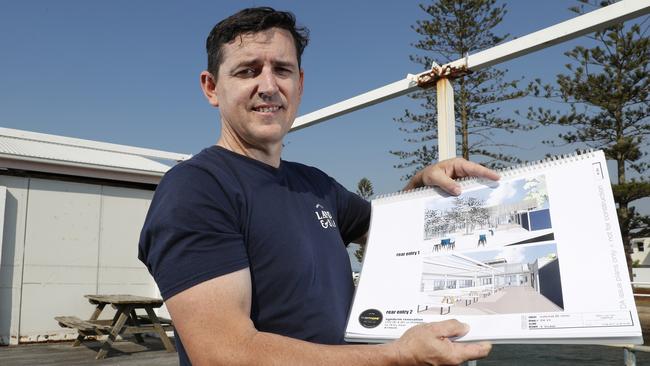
269 156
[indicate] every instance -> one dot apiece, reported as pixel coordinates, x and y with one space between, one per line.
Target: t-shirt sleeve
353 214
192 232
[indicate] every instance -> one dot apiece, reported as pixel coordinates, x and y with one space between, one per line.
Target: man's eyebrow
282 63
250 62
254 62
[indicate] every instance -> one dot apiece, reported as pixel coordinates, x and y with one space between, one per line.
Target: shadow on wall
7 266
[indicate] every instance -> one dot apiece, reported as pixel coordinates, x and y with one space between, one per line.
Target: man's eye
283 71
245 73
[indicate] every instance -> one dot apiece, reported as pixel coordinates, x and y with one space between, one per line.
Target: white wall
61 252
641 275
119 271
67 239
11 264
641 256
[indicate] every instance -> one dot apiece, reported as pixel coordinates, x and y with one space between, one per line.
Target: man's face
258 87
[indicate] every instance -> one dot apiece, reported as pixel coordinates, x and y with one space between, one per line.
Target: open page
534 257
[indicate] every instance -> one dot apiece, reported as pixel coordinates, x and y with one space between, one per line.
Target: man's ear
209 85
302 81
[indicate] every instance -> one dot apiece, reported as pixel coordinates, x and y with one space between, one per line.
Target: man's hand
429 344
442 174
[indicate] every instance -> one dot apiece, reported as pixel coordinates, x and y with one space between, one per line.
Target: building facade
73 210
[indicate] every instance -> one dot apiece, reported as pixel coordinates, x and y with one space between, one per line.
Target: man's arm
213 320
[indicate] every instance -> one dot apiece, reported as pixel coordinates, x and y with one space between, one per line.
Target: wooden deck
126 353
132 354
123 353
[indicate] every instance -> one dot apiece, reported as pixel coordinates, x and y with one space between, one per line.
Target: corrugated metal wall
63 240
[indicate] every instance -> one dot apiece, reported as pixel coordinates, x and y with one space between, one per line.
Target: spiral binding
504 173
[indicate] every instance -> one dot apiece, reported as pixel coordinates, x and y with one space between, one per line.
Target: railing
629 351
641 285
629 354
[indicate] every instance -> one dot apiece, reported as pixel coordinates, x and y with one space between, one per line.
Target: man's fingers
464 168
444 173
438 177
472 351
450 328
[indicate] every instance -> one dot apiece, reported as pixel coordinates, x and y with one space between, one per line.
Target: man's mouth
267 108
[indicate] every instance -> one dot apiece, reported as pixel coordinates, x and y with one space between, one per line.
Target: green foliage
364 188
359 252
453 29
606 91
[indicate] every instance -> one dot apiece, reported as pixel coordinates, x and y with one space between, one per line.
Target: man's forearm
263 348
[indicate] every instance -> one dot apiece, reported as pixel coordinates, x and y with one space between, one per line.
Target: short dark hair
252 20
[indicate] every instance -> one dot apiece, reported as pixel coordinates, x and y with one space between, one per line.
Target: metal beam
446 120
573 28
367 99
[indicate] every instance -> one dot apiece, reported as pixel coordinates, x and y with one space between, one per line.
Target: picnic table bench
437 301
125 321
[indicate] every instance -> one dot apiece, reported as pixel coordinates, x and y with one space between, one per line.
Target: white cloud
512 255
501 193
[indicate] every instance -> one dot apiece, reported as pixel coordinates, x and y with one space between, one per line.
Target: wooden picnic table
125 321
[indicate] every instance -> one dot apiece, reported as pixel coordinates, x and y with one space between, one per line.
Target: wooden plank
122 299
133 321
160 330
147 320
446 120
113 333
145 329
106 322
124 353
82 325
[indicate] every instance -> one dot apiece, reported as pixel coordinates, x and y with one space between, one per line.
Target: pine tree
607 94
453 29
365 190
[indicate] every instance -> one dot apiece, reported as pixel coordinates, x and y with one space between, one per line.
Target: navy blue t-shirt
220 212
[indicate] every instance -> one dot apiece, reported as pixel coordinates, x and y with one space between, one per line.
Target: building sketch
510 212
520 279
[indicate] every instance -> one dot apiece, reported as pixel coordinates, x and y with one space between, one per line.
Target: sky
516 254
504 192
127 71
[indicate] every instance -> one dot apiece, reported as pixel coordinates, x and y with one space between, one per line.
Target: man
249 274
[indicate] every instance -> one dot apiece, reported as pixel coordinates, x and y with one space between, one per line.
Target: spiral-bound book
534 257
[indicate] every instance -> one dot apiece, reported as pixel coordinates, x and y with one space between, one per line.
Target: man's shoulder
199 183
305 170
208 163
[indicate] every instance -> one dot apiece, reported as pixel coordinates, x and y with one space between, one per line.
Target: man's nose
268 85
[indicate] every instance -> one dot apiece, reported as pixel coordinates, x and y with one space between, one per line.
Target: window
486 281
640 245
439 284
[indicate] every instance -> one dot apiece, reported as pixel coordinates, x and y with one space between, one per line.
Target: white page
546 260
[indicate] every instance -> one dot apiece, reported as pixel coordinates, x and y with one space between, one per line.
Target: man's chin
272 131
268 136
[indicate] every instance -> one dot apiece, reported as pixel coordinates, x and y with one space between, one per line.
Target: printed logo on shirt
324 217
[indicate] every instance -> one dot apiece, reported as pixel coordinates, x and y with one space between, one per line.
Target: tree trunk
624 217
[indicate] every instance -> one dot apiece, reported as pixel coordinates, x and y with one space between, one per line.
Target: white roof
50 150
